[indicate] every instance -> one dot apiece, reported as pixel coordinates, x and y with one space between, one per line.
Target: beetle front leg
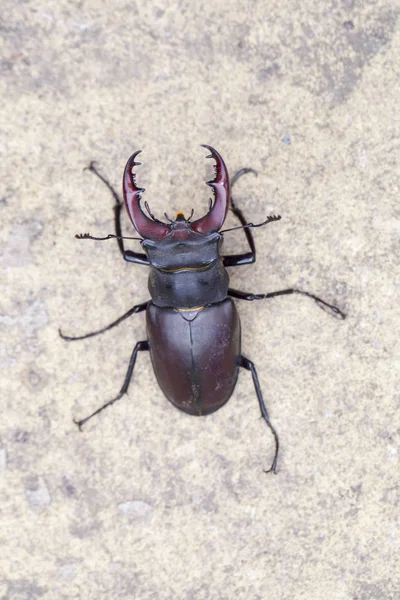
329 308
140 346
247 364
135 309
235 260
129 255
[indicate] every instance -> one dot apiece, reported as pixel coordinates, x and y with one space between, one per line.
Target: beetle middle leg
140 346
329 308
135 309
247 364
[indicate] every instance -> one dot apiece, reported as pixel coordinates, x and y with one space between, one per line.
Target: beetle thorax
183 249
186 270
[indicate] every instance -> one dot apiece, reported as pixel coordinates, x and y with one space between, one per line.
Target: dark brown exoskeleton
193 328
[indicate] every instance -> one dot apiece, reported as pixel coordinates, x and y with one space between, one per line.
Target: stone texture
148 503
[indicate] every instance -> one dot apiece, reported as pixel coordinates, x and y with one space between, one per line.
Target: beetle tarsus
272 469
325 306
79 423
334 309
96 412
249 366
91 167
140 346
64 337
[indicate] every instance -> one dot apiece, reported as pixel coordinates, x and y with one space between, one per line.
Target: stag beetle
193 328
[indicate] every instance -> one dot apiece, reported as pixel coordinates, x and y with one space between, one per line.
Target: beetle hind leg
247 364
144 345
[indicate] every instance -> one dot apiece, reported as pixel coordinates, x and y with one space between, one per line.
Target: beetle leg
247 364
129 255
329 308
139 346
135 309
235 260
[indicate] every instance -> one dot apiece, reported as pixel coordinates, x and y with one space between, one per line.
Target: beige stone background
147 502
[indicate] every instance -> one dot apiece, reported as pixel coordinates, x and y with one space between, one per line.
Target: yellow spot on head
179 214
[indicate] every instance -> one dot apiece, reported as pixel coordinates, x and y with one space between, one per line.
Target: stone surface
149 503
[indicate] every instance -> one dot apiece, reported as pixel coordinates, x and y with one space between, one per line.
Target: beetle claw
78 423
271 470
91 166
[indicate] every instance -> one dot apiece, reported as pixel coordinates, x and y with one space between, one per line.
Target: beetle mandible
193 328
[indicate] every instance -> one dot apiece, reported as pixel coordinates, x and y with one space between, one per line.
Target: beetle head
183 229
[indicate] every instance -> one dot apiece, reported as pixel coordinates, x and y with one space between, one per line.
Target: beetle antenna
167 217
191 214
269 219
87 236
147 207
151 214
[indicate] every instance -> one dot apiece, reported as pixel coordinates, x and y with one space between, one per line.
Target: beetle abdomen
195 354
